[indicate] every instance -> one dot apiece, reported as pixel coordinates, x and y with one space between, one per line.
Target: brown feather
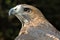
38 28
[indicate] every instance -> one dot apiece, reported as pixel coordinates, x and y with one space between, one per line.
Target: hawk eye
27 9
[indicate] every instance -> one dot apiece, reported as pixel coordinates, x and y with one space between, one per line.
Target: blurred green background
10 25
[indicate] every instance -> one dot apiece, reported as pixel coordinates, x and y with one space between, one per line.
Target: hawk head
25 13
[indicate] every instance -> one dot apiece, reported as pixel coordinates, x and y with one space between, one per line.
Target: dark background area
10 25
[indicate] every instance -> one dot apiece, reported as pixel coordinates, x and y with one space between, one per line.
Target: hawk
34 25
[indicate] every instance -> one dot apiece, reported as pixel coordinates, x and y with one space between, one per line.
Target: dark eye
27 9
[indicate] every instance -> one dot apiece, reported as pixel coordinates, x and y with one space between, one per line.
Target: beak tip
10 12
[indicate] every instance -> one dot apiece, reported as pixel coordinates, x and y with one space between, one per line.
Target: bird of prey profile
34 25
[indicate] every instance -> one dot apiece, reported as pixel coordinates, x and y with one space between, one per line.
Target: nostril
15 8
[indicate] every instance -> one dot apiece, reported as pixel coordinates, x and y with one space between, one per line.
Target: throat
34 22
26 21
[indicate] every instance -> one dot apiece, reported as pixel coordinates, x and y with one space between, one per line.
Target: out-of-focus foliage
10 25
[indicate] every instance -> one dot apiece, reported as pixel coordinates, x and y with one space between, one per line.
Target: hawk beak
11 11
17 9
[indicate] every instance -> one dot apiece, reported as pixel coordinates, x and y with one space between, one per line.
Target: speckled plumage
34 25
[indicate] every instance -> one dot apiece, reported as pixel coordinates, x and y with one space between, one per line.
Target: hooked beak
16 10
11 11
